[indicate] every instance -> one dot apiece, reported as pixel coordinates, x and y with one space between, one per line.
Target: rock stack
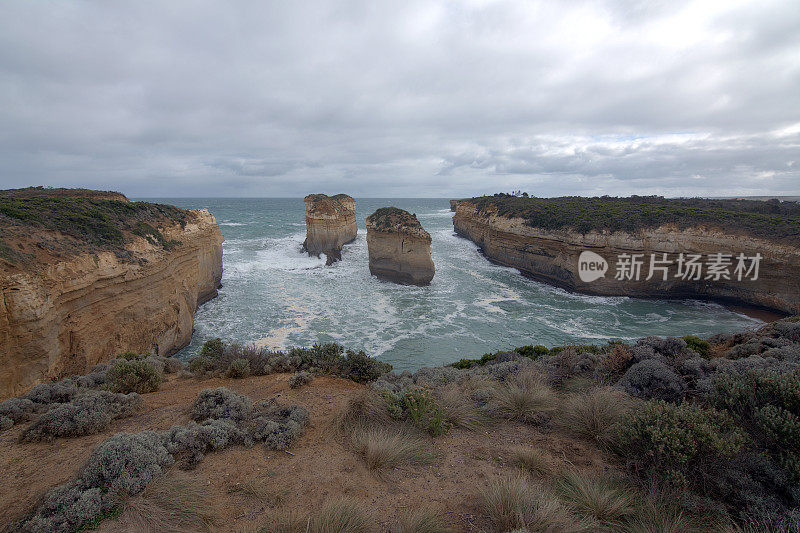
330 224
399 247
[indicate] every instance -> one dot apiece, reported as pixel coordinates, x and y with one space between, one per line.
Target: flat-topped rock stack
330 224
399 247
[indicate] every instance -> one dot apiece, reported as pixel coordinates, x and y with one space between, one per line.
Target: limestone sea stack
399 247
330 224
86 275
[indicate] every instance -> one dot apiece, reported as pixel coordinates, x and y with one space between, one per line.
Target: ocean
275 296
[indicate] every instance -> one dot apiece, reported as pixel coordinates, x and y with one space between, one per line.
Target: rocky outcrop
330 224
399 247
64 312
552 256
453 204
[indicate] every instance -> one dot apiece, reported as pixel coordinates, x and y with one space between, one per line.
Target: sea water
276 296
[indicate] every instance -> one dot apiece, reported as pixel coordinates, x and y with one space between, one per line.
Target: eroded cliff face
330 224
399 248
63 314
552 257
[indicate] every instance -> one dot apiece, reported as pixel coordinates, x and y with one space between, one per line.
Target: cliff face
552 256
330 224
63 313
399 248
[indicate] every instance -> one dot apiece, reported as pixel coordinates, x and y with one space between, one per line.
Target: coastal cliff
551 254
330 224
399 247
73 294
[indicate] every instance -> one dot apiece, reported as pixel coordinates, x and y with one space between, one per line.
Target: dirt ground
319 468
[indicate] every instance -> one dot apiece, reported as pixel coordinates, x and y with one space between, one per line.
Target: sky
401 99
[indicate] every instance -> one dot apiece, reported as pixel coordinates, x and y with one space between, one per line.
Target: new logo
591 266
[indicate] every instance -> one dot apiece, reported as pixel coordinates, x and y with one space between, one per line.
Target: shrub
17 409
130 356
599 498
698 345
169 503
213 349
85 415
239 368
361 368
679 442
531 351
384 448
652 379
421 409
594 415
423 521
523 397
5 423
618 359
173 365
47 393
221 403
201 365
133 376
300 379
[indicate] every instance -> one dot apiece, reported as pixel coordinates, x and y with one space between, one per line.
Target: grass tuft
595 414
423 521
533 460
169 503
523 397
366 409
385 448
599 498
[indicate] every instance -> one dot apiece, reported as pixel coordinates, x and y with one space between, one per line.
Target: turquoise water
276 296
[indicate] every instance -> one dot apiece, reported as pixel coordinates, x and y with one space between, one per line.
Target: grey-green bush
239 368
300 379
87 414
133 376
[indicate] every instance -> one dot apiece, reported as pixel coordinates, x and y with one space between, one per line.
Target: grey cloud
432 98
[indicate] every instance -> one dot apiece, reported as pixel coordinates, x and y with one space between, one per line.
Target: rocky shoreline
553 256
66 307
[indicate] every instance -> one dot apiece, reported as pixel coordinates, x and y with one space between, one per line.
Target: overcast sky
407 98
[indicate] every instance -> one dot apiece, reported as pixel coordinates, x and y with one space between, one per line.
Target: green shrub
534 352
421 409
362 368
239 368
698 345
463 363
133 376
213 349
130 356
201 364
677 442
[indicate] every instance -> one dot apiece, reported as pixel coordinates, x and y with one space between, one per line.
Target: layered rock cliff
399 247
71 298
552 256
330 224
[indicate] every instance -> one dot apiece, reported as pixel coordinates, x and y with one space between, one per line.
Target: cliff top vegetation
89 217
395 219
328 205
770 219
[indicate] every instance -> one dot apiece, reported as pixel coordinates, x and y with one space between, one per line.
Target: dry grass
366 408
461 411
338 516
423 521
523 397
169 503
653 518
595 414
600 498
382 448
512 503
533 460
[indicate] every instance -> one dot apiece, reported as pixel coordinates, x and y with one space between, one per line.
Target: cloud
434 98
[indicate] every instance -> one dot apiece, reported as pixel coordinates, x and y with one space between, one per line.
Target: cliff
551 254
399 247
84 278
330 224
